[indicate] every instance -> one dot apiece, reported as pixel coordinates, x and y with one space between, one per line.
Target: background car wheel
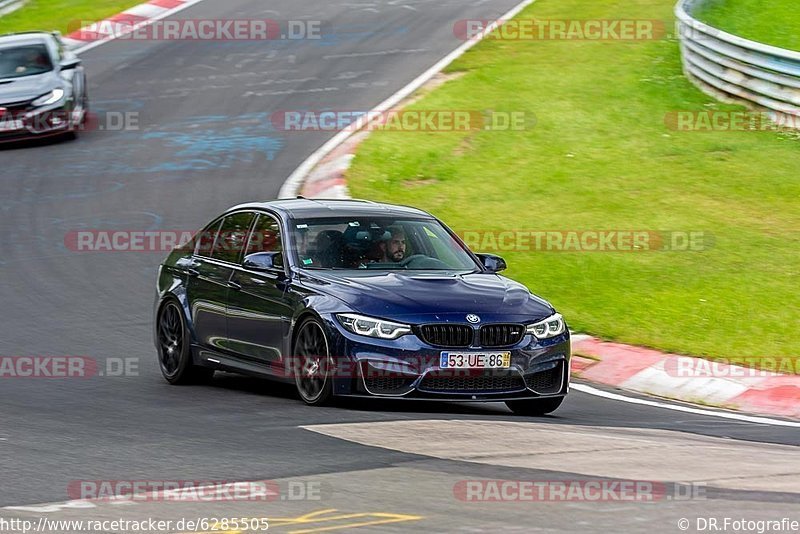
312 364
535 406
76 129
174 348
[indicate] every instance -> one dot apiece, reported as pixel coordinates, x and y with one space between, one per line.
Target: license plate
475 360
11 126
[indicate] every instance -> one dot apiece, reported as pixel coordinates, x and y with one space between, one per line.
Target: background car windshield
24 61
382 244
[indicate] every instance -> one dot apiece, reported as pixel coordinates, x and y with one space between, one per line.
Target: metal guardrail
735 69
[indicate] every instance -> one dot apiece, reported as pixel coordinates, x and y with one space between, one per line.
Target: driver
33 59
393 250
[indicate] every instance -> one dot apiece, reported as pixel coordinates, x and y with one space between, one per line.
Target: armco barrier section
736 69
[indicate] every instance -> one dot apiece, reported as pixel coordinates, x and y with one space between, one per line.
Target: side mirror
493 263
70 63
264 261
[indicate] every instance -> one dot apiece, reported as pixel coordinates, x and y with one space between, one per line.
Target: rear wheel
312 364
535 407
174 348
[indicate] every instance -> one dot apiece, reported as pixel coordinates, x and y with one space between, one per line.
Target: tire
535 407
312 364
75 130
174 347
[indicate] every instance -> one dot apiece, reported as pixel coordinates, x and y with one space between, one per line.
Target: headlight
550 327
50 98
367 326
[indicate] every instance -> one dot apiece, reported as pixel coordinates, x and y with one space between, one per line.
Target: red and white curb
123 23
684 378
327 179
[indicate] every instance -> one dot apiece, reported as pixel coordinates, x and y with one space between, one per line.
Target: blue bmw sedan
355 298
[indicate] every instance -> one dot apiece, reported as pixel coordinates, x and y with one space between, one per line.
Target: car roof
302 208
25 38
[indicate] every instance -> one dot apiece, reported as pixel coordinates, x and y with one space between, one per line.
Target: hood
13 90
431 296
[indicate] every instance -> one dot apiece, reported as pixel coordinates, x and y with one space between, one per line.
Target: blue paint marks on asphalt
199 143
223 148
103 106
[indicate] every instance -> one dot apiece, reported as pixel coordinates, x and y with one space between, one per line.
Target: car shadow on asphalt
281 390
34 142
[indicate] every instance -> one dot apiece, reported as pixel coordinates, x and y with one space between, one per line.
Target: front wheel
76 127
312 364
535 407
174 348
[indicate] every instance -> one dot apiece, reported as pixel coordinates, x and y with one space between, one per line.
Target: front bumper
408 368
36 122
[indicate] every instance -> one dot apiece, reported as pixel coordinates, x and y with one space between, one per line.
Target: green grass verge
775 22
601 157
61 15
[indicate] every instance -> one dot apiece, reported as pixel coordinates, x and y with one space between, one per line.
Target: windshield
24 61
378 243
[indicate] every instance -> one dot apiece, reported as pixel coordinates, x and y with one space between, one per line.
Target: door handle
193 272
233 285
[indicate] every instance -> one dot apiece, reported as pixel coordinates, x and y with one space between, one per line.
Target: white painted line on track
148 22
589 390
294 182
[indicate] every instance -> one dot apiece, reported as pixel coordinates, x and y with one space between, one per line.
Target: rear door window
204 240
230 241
